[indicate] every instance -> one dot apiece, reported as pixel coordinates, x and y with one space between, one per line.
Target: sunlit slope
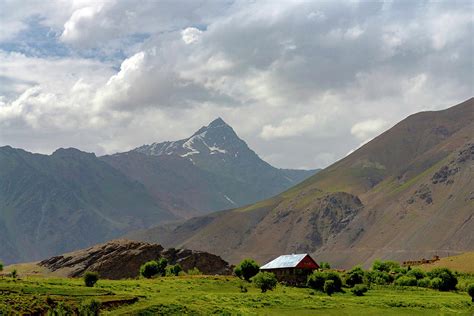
381 200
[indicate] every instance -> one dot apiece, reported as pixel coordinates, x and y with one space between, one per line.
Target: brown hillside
407 193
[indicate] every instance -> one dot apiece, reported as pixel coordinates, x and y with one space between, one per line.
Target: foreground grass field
222 295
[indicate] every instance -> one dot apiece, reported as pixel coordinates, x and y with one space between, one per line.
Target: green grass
221 295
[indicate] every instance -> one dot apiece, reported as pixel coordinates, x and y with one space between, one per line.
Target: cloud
302 82
191 35
369 128
288 128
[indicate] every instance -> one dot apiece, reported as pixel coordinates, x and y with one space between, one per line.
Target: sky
304 83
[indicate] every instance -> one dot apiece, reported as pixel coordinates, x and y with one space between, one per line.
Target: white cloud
191 35
298 80
369 128
289 127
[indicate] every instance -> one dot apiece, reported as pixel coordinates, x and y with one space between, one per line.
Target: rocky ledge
120 259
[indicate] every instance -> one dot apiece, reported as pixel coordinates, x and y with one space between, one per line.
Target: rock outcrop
120 259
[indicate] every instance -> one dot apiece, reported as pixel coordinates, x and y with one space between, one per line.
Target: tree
90 278
448 279
149 269
1 266
336 278
355 276
470 291
406 281
416 273
359 289
324 265
246 269
162 263
329 287
385 266
265 281
316 280
173 270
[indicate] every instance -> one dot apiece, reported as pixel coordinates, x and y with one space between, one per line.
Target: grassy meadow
203 295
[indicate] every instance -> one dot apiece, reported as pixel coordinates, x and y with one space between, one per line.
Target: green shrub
246 269
436 283
194 271
316 280
265 281
359 289
334 276
385 266
355 276
243 288
379 277
324 265
448 279
329 287
425 282
89 307
149 269
173 270
90 278
14 274
470 291
61 309
1 266
406 281
416 273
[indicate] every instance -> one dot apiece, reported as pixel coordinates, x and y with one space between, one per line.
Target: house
291 269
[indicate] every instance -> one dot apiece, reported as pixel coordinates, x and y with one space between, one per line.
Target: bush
243 288
385 266
416 273
265 281
448 279
14 274
329 287
324 266
89 308
90 278
334 276
425 282
359 289
246 269
379 278
470 291
355 276
1 266
149 269
173 270
194 271
436 283
316 280
406 281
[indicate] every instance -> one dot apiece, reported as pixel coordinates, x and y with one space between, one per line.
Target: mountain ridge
384 175
217 169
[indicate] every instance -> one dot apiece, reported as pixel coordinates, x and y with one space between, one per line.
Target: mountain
409 193
64 201
211 170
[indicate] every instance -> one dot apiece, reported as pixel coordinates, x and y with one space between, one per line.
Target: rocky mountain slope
211 170
408 193
64 201
120 259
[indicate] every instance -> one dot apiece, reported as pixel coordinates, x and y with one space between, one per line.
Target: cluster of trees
382 273
248 270
161 267
357 279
